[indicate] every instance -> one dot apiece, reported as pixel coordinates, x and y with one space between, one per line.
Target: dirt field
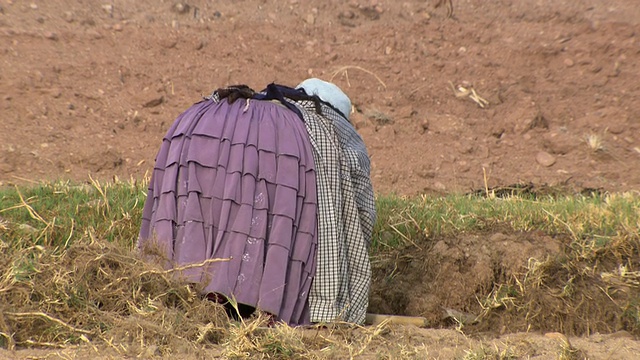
90 87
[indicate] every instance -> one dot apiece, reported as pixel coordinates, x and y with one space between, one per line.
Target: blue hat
328 92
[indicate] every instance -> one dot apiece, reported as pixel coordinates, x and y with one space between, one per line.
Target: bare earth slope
90 87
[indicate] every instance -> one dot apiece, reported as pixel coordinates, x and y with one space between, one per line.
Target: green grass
57 214
406 220
60 213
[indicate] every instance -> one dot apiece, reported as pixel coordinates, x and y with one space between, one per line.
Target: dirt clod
545 159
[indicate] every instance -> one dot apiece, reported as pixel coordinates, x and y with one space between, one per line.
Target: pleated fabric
238 181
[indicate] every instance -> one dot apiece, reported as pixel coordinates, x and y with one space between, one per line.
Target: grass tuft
592 221
594 142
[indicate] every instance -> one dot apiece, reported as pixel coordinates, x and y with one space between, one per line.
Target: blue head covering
328 92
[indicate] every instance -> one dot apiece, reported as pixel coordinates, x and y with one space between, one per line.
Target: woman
277 182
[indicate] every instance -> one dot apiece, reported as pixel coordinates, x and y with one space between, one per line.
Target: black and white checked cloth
346 215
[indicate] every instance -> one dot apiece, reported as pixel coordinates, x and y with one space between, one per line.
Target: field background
88 89
91 87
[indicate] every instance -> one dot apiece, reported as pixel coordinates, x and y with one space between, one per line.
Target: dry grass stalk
378 117
100 292
594 142
449 5
345 69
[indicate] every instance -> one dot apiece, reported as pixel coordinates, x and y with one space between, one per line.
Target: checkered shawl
346 215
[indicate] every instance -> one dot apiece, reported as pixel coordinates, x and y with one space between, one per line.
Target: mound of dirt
451 272
506 282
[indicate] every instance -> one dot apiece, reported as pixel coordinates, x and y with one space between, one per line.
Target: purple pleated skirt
238 181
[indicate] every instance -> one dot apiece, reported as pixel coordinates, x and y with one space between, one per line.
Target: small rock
426 172
465 147
108 8
168 43
310 19
68 17
545 159
50 35
440 248
558 336
154 102
499 237
539 121
621 334
94 34
118 27
33 6
360 123
347 14
463 166
616 128
439 186
331 57
370 12
137 118
568 62
88 22
559 145
424 125
386 132
181 8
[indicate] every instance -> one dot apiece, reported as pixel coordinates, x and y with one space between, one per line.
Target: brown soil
88 88
450 272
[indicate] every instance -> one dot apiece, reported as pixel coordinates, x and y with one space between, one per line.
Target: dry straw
99 292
